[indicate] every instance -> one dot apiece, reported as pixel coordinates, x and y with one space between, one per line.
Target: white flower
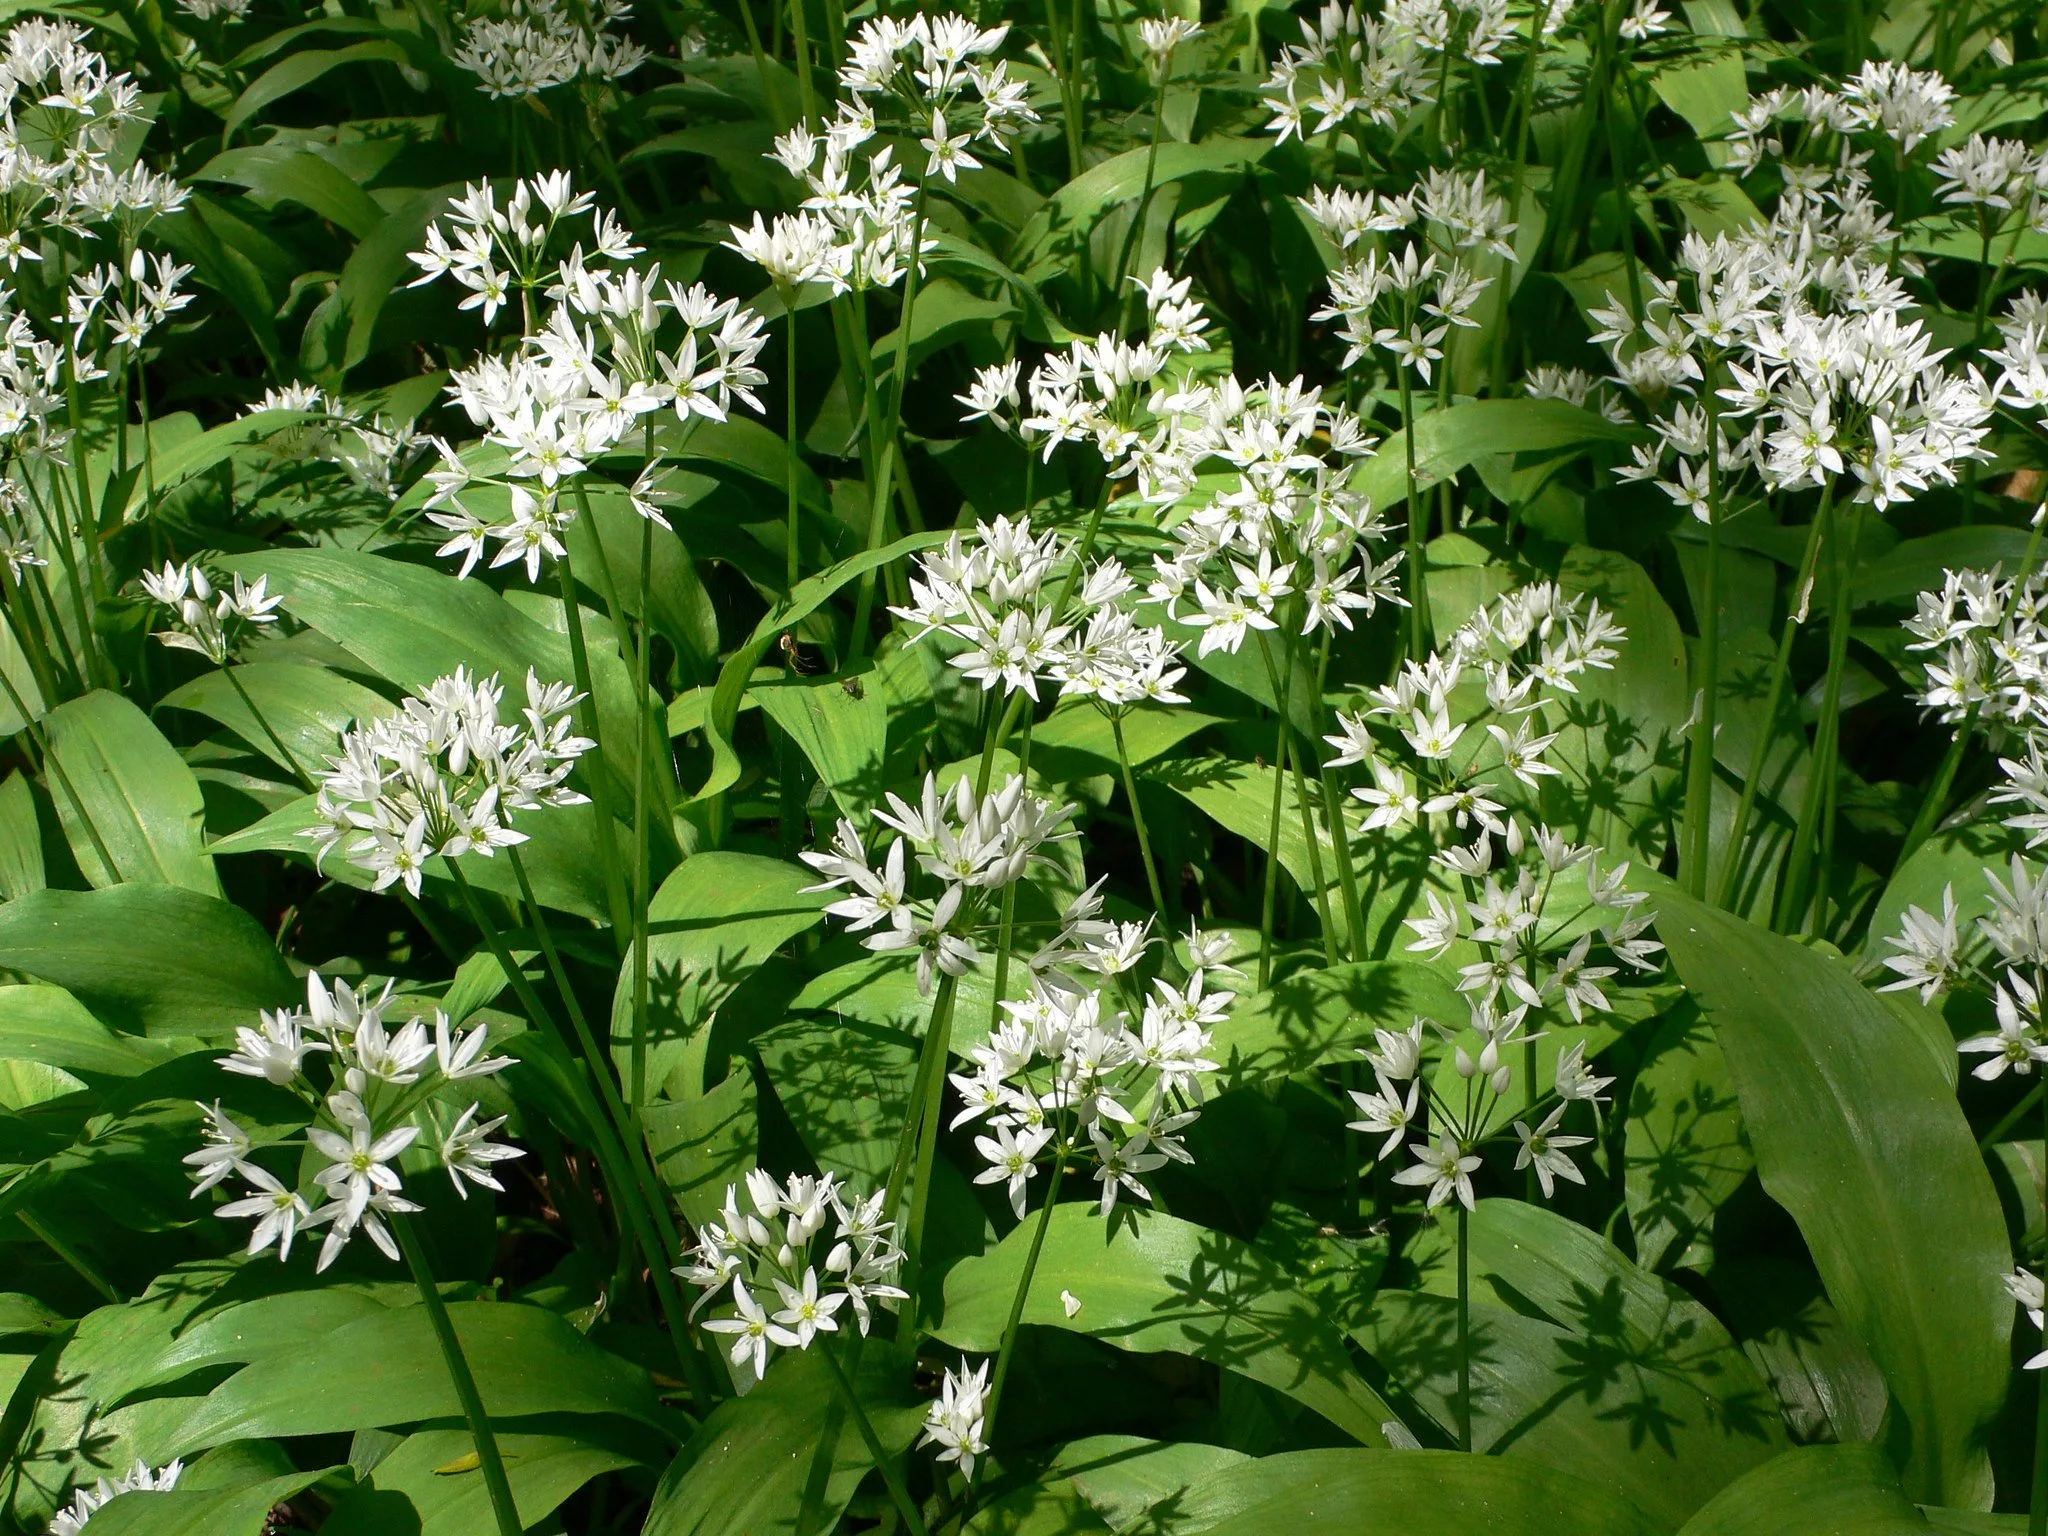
955 1421
1446 1168
1545 1150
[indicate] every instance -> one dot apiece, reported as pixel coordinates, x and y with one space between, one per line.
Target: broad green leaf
433 1478
196 455
148 959
284 174
243 1511
810 595
1415 1493
411 625
1858 1136
1124 1479
299 70
1581 1360
846 1087
1816 1490
1620 740
1151 1283
745 1470
21 839
1447 440
300 708
1322 1016
712 922
386 1369
49 1026
130 807
705 1145
842 726
338 333
1077 740
1687 1152
1214 164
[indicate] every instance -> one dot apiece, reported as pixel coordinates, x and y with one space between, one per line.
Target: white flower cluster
372 450
858 227
1816 361
1445 1164
205 617
970 845
380 1098
993 597
128 304
2022 358
1988 639
957 1420
774 1241
539 44
63 110
617 346
443 775
1575 386
1350 69
1416 734
2005 954
1066 1078
1403 300
495 250
2025 1288
86 1502
1905 105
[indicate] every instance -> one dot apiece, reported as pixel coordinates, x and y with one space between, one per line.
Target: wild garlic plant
209 618
968 845
537 45
1351 69
618 345
378 1092
86 1502
775 1240
443 776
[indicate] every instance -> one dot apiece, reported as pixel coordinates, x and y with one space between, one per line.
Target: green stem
643 893
792 559
887 449
291 762
1464 1337
884 1462
58 776
1774 694
1813 836
1123 257
1272 889
1333 820
489 1461
1006 1352
1331 954
2011 1118
1699 787
1123 761
1418 586
70 1255
600 767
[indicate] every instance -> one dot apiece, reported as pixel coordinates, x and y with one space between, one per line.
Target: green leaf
1148 1282
1447 440
196 455
284 174
1687 1150
1623 733
339 333
1124 1478
49 1026
1415 1493
733 678
413 1482
744 1472
1077 740
705 1145
715 919
299 70
126 796
386 1369
1321 1016
1816 1490
21 839
148 959
1214 165
846 1087
305 707
1581 1360
201 1511
1858 1136
844 734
